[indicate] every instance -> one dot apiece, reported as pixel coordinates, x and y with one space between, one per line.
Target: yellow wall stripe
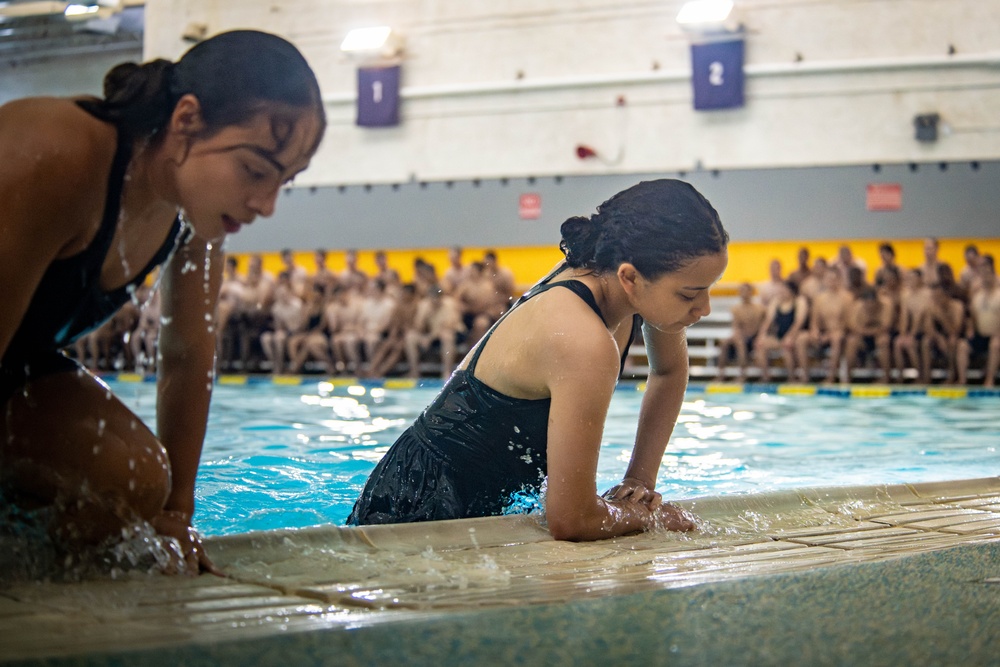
748 260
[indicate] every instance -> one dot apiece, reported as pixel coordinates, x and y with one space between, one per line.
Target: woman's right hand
671 517
177 525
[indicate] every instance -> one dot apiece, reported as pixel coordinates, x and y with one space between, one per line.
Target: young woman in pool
97 193
528 403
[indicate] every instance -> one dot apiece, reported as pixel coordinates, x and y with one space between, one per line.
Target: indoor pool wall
845 575
903 574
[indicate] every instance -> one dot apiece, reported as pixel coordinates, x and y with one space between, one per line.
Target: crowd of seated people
826 321
318 320
822 321
127 341
355 323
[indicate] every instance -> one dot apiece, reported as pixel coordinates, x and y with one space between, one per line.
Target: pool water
280 456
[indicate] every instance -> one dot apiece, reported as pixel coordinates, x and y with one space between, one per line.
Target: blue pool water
292 456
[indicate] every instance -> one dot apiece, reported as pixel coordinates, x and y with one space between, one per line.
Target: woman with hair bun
527 405
97 193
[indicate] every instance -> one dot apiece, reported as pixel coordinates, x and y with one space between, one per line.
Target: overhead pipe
991 59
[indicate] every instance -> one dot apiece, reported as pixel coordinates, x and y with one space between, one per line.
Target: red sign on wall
530 206
885 197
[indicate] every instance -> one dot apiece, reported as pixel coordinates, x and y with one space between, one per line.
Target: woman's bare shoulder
572 328
54 159
54 136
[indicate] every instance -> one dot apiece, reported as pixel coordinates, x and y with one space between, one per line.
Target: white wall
865 69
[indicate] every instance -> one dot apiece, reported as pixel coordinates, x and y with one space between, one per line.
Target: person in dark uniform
98 192
528 403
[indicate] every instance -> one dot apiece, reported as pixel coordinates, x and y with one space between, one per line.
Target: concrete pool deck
875 575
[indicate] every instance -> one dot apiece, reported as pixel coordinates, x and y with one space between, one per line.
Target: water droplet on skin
131 464
165 320
131 485
100 427
97 450
517 430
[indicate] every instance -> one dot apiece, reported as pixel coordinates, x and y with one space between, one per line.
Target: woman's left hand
634 491
178 526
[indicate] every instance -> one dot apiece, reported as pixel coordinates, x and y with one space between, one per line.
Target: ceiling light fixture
704 12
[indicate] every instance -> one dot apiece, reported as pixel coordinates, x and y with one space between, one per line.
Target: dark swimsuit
783 322
472 451
69 302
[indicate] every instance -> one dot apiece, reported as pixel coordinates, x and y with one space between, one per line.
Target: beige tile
879 531
925 513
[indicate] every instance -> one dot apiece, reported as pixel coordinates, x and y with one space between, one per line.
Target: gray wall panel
809 204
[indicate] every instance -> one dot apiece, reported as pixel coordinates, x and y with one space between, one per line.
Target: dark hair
232 74
793 287
887 247
657 226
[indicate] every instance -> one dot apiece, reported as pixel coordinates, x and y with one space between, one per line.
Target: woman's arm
802 307
661 403
765 325
582 366
186 373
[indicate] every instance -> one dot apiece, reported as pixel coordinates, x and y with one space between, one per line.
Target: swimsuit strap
575 286
112 201
112 208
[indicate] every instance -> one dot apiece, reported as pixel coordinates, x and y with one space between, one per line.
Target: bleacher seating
704 341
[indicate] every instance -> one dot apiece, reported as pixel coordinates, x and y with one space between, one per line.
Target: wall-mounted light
704 12
378 41
80 11
701 16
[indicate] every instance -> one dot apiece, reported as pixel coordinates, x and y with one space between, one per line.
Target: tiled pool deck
902 574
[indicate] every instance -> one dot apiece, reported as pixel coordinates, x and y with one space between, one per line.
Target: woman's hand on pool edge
635 491
178 526
672 517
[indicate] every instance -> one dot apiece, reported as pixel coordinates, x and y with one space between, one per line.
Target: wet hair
657 226
233 75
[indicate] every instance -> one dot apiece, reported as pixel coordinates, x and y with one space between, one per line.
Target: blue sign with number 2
717 74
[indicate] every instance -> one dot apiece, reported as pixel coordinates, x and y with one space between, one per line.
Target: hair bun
579 240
